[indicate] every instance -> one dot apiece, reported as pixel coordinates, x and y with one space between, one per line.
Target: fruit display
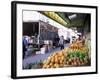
56 60
78 47
76 58
74 55
75 46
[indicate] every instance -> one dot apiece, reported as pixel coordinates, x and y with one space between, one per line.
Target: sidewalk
40 57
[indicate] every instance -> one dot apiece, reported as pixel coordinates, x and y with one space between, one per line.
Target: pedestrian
25 45
61 42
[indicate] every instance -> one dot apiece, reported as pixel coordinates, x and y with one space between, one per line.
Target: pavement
40 57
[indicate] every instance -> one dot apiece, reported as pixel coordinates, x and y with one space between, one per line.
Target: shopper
25 45
56 41
81 39
61 42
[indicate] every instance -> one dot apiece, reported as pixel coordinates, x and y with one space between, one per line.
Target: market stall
75 55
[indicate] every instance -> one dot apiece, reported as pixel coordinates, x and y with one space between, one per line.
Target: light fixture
72 16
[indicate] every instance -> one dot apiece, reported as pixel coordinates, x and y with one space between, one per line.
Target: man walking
61 42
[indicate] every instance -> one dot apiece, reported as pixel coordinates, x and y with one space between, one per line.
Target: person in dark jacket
61 42
25 45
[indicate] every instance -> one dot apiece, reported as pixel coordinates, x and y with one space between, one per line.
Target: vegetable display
74 55
76 58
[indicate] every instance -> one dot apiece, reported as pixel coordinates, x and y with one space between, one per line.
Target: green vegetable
79 54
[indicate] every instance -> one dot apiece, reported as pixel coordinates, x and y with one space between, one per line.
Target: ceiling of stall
68 19
74 19
55 17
